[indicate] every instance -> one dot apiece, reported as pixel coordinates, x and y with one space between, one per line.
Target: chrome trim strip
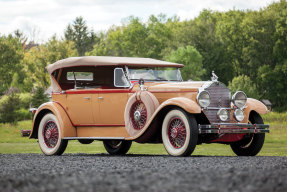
95 138
217 108
233 128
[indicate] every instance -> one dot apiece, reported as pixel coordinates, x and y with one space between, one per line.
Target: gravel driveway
83 172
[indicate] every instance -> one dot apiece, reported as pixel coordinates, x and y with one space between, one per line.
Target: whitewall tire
179 133
49 136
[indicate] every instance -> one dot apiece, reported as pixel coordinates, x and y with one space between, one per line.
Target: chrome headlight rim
198 98
219 114
236 95
237 116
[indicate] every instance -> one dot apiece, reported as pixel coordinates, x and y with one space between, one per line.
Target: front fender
187 104
66 126
254 105
182 102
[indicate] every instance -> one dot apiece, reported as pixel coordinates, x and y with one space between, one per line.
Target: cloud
52 16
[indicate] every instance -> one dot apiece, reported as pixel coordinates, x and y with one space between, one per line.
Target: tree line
246 49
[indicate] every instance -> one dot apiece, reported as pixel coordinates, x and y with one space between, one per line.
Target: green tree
37 58
8 109
10 58
135 38
201 33
79 33
159 34
192 61
243 83
39 97
15 81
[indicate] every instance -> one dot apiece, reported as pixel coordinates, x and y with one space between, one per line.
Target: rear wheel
251 145
179 133
116 147
49 136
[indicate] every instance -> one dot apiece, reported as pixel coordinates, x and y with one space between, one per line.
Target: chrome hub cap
174 133
137 116
48 134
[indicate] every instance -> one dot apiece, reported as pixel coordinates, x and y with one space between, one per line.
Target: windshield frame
155 68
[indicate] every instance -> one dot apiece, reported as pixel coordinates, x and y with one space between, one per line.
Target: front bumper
221 128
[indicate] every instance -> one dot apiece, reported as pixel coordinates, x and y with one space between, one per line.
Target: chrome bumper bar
220 128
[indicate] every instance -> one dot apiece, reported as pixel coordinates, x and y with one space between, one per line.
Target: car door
112 99
112 104
79 108
80 99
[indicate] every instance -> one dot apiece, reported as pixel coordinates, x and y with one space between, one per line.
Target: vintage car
118 100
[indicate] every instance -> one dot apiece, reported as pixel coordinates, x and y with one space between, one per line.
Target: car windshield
155 74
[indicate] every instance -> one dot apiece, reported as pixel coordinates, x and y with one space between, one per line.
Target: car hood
177 86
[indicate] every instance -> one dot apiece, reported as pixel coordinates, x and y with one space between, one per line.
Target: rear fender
66 126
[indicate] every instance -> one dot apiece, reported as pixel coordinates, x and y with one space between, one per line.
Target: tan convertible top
107 60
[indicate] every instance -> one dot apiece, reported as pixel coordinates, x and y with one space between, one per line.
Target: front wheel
251 145
179 133
115 147
49 136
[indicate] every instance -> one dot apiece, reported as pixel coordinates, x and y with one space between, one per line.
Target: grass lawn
275 142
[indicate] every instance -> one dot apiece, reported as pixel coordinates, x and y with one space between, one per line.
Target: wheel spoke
138 115
177 132
50 134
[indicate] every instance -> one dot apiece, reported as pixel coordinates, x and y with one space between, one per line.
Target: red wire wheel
138 115
51 134
179 133
176 132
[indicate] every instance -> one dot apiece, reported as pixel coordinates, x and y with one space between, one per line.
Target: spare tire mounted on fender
139 109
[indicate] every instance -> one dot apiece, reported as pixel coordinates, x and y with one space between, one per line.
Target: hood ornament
214 77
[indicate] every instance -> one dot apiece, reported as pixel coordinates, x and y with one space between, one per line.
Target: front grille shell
220 97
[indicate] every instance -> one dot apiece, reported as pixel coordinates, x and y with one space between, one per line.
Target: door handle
88 98
100 97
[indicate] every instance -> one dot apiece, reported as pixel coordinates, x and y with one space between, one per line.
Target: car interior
85 77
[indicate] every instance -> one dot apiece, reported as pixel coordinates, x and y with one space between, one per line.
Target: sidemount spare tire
139 109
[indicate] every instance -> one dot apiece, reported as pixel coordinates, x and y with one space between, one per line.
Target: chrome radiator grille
219 98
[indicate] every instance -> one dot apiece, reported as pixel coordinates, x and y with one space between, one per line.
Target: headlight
203 98
238 115
222 114
239 99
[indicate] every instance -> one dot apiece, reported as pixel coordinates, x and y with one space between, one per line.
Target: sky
40 19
